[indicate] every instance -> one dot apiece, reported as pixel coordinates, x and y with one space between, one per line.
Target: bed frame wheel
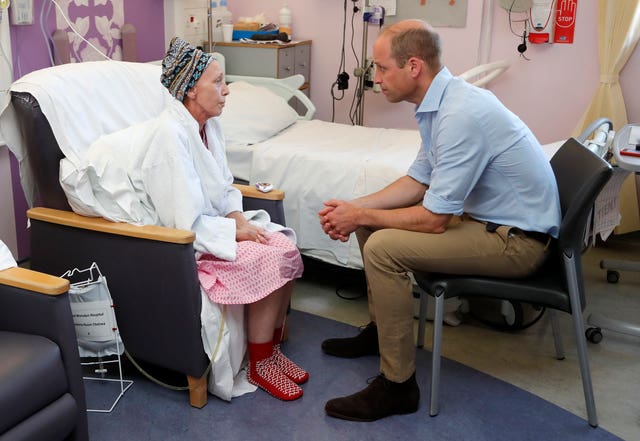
594 335
613 276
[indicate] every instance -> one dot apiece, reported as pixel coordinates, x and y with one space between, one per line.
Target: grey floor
526 358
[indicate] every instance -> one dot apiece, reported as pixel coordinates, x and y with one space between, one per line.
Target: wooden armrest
151 232
252 192
34 281
71 219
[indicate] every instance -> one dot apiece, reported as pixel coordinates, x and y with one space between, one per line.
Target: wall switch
21 12
195 25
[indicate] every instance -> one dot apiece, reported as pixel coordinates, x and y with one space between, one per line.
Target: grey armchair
151 269
41 390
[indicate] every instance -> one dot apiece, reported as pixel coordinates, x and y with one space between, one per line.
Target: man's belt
537 235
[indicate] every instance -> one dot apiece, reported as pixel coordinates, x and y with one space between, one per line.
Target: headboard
287 88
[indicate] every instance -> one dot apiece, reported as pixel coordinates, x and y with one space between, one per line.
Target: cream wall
549 93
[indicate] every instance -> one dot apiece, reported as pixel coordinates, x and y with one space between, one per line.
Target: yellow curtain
618 34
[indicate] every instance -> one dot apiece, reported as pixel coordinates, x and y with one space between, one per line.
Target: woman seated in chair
173 172
246 264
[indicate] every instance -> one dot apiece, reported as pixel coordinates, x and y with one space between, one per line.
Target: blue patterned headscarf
182 65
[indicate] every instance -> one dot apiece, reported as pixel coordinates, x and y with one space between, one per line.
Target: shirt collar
432 98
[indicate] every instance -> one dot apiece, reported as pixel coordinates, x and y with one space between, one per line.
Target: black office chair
580 175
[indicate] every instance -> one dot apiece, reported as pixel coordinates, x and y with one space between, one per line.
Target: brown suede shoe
380 399
365 343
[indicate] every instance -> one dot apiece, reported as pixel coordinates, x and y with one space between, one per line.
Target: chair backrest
59 111
580 175
42 151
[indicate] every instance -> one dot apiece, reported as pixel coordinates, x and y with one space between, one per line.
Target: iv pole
371 14
362 72
209 28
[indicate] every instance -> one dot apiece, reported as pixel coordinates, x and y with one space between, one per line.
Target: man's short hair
421 42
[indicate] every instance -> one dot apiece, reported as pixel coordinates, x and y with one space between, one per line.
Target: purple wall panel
30 51
148 18
29 47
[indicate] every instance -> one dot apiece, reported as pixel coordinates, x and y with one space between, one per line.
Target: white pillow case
253 114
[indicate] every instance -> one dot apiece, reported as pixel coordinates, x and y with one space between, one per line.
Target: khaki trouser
466 247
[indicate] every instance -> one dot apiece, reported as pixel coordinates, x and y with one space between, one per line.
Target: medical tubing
206 372
356 101
341 67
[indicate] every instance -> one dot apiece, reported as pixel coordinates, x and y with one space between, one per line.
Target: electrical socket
195 22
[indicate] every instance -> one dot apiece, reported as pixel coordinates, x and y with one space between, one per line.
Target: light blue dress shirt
478 158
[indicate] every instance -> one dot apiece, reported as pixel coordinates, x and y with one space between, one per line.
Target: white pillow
253 114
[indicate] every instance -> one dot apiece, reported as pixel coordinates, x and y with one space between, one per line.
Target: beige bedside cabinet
269 60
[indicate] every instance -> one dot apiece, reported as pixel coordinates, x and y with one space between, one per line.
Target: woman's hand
247 231
250 232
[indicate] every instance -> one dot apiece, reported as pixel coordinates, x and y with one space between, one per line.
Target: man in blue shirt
480 198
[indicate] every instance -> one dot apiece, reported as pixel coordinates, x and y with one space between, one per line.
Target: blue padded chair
580 175
41 390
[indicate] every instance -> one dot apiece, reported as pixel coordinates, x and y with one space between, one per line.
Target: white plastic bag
93 314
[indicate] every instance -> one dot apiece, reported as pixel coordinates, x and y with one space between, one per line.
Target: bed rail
287 88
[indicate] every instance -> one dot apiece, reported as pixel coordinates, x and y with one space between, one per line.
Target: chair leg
578 325
557 337
436 353
197 391
584 369
422 317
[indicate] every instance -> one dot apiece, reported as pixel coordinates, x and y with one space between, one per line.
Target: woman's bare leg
269 313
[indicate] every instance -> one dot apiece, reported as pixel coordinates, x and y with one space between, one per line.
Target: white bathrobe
159 172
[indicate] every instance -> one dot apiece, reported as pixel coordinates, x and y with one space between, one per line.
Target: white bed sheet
313 161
